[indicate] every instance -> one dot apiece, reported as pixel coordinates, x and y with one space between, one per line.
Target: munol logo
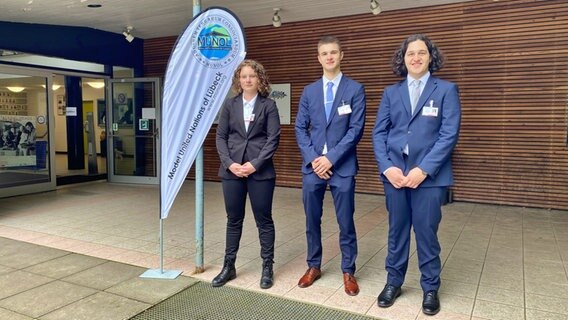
216 41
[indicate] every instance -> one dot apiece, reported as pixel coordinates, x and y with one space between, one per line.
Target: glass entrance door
132 123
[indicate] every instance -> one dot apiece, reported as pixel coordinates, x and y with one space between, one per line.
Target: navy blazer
431 134
257 145
343 131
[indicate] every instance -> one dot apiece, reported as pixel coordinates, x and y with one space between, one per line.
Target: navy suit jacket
257 145
431 137
342 132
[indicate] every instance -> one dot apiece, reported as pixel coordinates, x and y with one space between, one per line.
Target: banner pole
199 194
160 273
161 245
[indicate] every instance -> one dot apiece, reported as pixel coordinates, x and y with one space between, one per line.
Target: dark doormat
201 301
65 180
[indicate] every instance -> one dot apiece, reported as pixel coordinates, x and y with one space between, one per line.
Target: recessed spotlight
94 5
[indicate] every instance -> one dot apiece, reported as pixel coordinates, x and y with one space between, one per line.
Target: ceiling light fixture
128 33
16 89
375 7
276 21
96 84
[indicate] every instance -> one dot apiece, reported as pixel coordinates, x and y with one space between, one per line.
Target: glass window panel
24 156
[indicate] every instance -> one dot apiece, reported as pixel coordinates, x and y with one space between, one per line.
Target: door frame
133 179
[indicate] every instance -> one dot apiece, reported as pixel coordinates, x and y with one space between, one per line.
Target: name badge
430 111
344 109
250 118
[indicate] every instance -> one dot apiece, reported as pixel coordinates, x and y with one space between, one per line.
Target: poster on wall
281 94
18 142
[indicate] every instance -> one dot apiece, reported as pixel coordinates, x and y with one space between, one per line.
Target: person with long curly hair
247 137
415 133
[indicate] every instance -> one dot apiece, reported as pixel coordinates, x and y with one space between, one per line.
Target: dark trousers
343 193
419 209
260 194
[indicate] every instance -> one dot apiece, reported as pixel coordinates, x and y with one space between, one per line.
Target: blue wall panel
73 43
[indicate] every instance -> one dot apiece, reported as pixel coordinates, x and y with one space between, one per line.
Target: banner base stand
161 274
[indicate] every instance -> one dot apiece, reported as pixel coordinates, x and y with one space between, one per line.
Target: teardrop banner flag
198 78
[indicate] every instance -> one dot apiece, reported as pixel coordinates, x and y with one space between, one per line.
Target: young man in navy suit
414 136
329 125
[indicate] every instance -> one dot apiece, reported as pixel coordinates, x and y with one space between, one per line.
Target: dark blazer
342 132
430 138
257 145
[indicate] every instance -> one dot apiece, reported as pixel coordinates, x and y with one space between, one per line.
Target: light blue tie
415 94
328 100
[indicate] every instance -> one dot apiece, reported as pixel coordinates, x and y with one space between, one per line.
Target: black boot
267 275
227 273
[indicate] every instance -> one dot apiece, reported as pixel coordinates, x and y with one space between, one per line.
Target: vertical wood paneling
509 59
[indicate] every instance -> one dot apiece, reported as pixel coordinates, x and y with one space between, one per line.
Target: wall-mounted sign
71 111
281 94
143 125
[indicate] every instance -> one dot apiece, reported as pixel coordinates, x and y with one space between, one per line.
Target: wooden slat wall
509 58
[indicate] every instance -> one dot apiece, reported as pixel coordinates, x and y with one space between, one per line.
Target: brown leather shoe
351 286
309 277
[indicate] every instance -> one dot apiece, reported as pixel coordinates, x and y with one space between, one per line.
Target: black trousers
260 193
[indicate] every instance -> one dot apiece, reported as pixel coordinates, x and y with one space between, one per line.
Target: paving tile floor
80 251
39 282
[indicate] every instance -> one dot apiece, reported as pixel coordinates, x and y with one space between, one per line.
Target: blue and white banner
198 78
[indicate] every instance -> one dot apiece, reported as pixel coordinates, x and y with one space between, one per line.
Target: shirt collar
251 101
424 79
335 80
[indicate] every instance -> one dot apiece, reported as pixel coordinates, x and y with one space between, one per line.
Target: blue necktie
415 94
328 100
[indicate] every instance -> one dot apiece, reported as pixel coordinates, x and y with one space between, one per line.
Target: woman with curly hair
247 137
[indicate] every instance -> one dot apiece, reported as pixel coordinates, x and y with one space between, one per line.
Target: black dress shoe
266 280
388 296
431 303
227 273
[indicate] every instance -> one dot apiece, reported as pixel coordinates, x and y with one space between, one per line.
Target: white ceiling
159 18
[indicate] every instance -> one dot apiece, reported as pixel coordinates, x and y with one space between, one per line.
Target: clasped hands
414 178
242 170
322 167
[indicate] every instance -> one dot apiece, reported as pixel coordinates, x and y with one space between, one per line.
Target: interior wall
89 94
509 59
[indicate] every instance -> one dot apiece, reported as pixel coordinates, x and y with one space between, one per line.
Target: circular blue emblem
214 42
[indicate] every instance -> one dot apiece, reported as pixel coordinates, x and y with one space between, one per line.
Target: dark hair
29 124
263 84
329 39
437 57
